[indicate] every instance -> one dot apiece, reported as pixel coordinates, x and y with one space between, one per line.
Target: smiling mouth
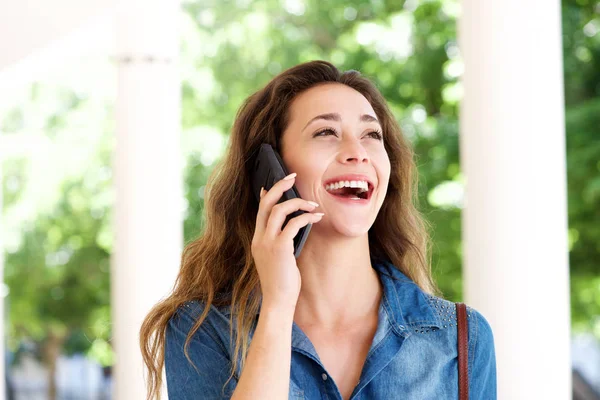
352 193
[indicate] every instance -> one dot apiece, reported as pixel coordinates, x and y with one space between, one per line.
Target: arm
266 373
482 374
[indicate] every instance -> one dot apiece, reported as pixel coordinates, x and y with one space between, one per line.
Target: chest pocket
295 392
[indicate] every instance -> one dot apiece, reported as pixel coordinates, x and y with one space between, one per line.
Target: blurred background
58 107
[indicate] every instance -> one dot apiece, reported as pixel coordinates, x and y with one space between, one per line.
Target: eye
325 130
376 134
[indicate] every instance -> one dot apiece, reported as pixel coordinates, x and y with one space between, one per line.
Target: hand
273 248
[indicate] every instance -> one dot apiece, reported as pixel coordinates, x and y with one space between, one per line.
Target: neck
339 285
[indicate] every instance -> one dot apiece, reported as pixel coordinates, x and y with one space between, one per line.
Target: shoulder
212 332
200 367
446 312
190 312
481 337
481 348
482 354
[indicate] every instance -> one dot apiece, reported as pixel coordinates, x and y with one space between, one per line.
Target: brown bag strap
463 351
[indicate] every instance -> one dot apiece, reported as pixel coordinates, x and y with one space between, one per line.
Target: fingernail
290 176
313 203
319 214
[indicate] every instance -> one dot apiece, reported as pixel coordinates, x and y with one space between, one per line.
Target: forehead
329 98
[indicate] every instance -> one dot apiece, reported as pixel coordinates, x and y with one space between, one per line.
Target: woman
355 316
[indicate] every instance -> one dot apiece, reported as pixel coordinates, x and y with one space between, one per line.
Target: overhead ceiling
29 27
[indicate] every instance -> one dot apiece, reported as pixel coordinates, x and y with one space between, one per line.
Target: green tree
58 273
59 278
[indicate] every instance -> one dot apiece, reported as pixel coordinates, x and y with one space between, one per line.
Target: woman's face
333 131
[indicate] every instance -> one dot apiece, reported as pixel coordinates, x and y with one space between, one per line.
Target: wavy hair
217 268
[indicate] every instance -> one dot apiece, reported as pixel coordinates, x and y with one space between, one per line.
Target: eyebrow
336 117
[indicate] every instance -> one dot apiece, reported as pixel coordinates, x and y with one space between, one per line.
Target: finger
270 198
293 227
280 212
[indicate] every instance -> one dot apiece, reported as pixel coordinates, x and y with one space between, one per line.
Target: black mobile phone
268 169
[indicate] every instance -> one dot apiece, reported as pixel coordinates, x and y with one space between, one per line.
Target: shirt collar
404 307
407 304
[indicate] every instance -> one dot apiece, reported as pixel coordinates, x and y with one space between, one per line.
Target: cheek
382 162
307 163
308 175
305 189
383 175
387 170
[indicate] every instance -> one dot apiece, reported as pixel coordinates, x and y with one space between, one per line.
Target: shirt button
324 376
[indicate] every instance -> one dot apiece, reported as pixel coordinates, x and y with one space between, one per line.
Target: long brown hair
217 268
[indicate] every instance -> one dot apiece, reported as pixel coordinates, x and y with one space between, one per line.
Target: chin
347 229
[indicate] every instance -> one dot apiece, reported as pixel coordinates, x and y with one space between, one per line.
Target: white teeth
352 184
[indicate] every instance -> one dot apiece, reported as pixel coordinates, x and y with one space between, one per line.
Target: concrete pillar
512 138
148 178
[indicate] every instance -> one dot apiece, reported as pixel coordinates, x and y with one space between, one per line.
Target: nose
353 152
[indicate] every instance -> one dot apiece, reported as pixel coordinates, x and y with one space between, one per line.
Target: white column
515 221
148 178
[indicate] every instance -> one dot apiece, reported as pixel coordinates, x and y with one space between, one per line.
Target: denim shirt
413 354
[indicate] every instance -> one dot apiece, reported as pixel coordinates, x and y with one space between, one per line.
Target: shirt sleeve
211 368
482 373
